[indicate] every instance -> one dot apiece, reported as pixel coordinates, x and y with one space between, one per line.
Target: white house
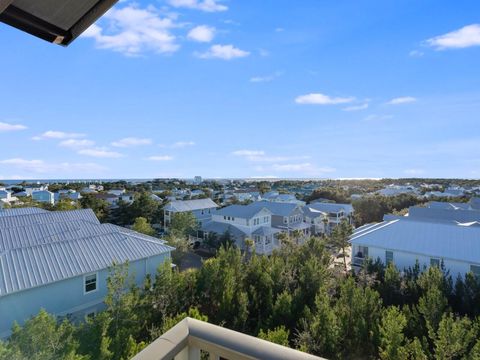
202 209
405 240
328 214
245 221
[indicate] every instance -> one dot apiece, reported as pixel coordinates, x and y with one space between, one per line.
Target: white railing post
193 353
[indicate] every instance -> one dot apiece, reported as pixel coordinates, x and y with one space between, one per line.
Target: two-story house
245 221
330 214
202 209
287 217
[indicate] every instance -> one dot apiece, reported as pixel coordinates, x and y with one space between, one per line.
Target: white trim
85 292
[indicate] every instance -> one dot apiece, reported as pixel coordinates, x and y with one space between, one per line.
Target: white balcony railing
190 338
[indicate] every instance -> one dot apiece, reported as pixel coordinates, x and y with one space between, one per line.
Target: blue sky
273 88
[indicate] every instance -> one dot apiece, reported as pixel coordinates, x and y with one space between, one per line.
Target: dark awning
56 21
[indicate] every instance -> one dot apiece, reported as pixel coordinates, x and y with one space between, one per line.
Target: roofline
76 275
13 16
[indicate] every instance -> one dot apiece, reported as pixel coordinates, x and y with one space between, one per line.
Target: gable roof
436 239
241 211
331 207
190 205
278 208
39 249
441 214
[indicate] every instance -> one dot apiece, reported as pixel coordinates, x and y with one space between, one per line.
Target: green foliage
141 225
100 207
278 335
392 339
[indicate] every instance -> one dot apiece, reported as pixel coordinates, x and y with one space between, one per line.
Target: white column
188 353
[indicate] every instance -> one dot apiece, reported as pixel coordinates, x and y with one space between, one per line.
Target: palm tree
249 244
283 238
297 234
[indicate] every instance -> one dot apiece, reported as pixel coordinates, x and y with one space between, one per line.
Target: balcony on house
192 339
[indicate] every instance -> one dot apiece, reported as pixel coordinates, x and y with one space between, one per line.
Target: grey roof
266 231
331 207
42 248
21 211
48 217
241 211
277 208
439 214
443 240
190 205
32 266
221 228
448 205
312 212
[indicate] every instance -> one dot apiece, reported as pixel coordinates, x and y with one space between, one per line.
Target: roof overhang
56 21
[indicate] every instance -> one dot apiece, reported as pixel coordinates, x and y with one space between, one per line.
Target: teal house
60 260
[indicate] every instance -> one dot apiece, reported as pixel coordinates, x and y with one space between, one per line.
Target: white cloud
402 100
179 145
132 31
321 99
100 153
51 134
76 144
160 158
203 5
4 127
356 107
248 153
202 33
306 168
131 141
267 78
225 52
182 144
416 53
279 29
42 167
465 37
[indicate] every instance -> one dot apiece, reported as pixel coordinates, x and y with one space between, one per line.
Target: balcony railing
358 260
190 338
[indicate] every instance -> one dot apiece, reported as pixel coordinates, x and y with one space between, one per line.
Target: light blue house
60 261
44 196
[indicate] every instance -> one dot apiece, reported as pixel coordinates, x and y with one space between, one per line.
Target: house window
285 220
224 218
90 282
233 219
435 262
90 314
475 269
388 257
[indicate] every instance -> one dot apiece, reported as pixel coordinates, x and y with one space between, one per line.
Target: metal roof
48 217
55 21
440 214
435 239
241 211
266 231
190 205
40 248
32 266
331 207
21 211
277 208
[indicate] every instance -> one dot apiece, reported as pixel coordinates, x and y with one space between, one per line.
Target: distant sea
63 181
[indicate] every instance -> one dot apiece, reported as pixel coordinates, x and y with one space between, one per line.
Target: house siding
67 296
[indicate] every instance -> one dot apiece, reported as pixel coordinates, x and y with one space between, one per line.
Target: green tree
100 207
278 335
455 337
141 225
340 239
392 339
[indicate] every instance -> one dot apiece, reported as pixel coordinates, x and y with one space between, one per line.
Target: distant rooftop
190 205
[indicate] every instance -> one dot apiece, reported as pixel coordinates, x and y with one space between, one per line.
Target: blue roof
241 211
21 211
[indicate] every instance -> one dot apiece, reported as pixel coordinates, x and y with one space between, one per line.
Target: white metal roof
48 217
435 239
190 205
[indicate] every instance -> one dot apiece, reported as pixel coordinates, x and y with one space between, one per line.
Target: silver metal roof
32 266
21 211
190 205
48 217
435 239
41 248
